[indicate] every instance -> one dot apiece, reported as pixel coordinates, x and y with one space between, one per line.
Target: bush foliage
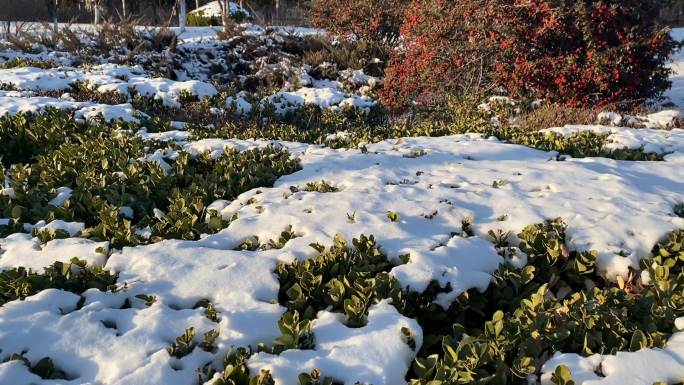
506 333
447 50
373 20
110 174
584 52
572 52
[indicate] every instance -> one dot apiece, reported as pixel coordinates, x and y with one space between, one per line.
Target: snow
663 119
463 263
241 285
679 323
82 110
18 373
645 366
374 354
36 79
22 250
298 31
132 352
241 105
105 78
72 228
359 78
170 91
676 93
614 118
110 113
63 194
455 179
213 9
582 368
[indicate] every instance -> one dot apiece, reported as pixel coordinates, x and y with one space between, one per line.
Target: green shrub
26 135
22 62
341 278
200 19
106 171
312 125
19 283
507 333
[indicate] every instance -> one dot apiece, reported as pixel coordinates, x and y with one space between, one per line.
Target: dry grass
123 37
81 93
371 57
554 115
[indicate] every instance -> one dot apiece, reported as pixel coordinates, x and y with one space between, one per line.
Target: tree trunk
182 15
196 4
123 9
96 12
225 15
55 18
52 10
10 17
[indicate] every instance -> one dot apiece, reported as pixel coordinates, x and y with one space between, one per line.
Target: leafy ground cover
207 211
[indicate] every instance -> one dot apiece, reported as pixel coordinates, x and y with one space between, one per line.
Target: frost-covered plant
295 333
544 245
679 209
392 216
235 370
185 343
562 376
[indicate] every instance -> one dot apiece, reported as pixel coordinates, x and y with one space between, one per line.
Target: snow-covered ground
618 208
621 208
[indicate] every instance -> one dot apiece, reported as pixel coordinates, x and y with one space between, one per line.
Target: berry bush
570 52
373 20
